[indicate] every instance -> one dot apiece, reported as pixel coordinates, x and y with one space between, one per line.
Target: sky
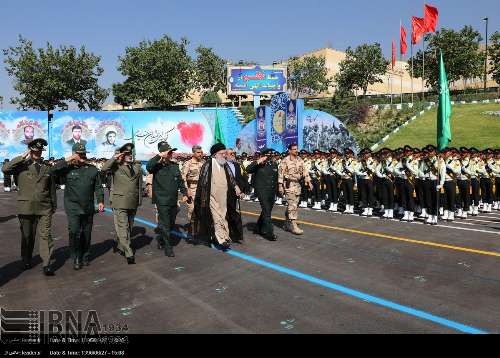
258 30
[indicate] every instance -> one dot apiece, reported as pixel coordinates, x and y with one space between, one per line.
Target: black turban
217 147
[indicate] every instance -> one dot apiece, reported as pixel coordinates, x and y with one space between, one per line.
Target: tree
124 96
49 78
209 67
160 72
361 67
210 98
307 75
462 57
494 56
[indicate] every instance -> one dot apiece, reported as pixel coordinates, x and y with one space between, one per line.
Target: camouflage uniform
190 174
291 172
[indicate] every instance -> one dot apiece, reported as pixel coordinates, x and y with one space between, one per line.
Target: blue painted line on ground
339 288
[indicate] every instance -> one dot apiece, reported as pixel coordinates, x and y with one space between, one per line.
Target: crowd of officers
405 183
402 183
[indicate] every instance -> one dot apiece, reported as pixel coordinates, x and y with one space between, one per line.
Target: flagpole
411 50
401 60
423 66
423 56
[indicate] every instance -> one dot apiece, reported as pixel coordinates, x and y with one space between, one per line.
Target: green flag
133 141
218 133
444 109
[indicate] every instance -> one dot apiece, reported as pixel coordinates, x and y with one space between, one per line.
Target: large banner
19 128
105 132
255 80
291 134
261 136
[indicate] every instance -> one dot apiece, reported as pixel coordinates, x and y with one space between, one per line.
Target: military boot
168 248
295 229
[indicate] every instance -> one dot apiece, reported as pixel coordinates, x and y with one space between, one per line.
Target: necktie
38 167
131 168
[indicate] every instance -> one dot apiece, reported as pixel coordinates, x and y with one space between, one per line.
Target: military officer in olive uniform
125 197
83 182
36 202
265 172
167 182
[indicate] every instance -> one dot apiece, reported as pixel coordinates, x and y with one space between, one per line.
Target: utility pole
486 56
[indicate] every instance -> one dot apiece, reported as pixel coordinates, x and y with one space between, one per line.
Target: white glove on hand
439 187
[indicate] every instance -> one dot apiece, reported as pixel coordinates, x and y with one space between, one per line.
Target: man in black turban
215 217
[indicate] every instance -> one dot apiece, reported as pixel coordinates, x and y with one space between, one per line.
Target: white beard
220 161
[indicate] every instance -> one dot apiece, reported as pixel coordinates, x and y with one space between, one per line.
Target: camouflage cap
128 147
37 144
79 148
165 147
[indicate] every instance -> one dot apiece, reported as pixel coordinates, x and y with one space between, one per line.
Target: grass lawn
469 128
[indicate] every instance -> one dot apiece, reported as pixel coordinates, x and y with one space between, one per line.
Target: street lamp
486 56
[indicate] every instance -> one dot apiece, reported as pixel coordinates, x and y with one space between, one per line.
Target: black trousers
450 193
474 183
398 186
7 181
497 189
464 194
316 190
419 191
431 196
304 192
406 190
80 235
387 193
166 222
486 190
265 224
348 190
332 189
377 183
366 193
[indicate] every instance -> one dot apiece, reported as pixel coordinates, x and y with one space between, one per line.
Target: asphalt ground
346 274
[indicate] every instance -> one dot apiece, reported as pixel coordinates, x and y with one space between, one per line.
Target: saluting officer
167 182
83 182
125 197
265 172
36 202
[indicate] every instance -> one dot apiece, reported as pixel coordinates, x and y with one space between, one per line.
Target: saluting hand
74 157
261 160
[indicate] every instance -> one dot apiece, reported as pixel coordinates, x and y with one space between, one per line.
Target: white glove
439 187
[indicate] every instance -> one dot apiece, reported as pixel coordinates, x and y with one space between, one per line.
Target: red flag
402 41
431 15
417 29
393 53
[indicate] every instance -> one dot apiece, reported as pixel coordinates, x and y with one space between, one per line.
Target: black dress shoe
85 262
131 260
48 271
27 265
225 246
272 237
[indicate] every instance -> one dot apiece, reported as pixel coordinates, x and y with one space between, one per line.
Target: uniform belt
192 181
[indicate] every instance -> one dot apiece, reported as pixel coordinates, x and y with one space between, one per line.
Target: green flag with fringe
444 109
218 132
